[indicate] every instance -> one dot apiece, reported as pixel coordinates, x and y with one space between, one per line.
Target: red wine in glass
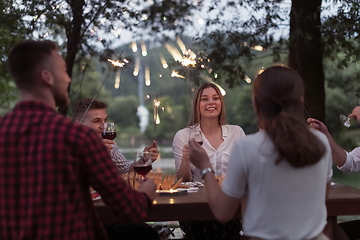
142 169
198 139
109 135
109 131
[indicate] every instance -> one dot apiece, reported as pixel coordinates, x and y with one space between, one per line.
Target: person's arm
338 153
182 160
128 204
120 161
222 205
355 113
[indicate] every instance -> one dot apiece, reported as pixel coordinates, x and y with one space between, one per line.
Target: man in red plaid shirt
48 162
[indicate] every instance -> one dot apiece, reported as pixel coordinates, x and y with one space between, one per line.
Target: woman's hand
318 125
198 156
185 152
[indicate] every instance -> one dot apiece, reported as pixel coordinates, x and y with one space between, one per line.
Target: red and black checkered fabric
47 163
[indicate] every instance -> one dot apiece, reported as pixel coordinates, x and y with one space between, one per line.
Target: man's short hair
80 107
25 59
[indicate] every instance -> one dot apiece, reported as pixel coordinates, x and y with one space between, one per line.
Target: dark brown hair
25 59
278 95
80 107
195 114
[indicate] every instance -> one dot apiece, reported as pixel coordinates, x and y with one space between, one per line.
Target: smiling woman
208 123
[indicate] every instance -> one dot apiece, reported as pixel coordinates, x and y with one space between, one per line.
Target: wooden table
343 200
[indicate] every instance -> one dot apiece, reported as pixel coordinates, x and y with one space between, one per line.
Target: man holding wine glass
48 162
345 161
95 118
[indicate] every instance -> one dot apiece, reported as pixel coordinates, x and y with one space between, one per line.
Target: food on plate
163 182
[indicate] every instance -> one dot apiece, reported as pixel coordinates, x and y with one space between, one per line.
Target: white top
352 163
218 157
281 202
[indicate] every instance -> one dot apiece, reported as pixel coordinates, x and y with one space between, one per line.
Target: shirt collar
33 105
224 130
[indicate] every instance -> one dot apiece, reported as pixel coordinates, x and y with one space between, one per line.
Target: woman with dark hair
208 126
280 174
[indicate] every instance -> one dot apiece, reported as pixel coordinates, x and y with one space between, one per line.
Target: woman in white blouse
208 122
207 125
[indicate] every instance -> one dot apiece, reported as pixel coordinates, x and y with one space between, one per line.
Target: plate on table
177 192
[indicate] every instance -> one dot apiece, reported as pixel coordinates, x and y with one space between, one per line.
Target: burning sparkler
115 63
156 112
176 74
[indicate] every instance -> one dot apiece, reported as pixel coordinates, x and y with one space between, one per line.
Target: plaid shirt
47 163
119 160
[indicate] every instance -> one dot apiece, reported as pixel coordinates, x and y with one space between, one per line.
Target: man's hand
198 156
148 186
318 125
109 143
355 113
154 152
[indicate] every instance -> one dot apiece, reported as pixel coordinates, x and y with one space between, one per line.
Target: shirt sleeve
180 139
352 163
128 204
235 183
119 160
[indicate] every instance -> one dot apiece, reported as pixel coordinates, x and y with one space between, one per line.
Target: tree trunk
74 37
306 54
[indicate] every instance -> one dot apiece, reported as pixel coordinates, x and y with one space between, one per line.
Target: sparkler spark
147 75
136 67
134 46
117 63
181 44
189 59
156 112
247 79
176 74
173 51
163 62
117 79
92 100
143 48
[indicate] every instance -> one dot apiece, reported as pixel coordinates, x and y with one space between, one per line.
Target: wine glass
345 120
142 163
198 138
109 131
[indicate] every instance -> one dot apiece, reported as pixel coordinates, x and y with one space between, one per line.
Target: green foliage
173 118
122 110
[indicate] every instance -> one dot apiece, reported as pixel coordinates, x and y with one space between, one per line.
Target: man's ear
47 77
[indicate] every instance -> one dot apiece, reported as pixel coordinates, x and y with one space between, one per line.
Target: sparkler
116 63
156 112
176 74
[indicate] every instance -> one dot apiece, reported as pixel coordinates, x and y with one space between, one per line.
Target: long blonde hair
195 114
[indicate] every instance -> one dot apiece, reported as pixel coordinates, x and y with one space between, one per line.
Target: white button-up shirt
352 163
218 157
